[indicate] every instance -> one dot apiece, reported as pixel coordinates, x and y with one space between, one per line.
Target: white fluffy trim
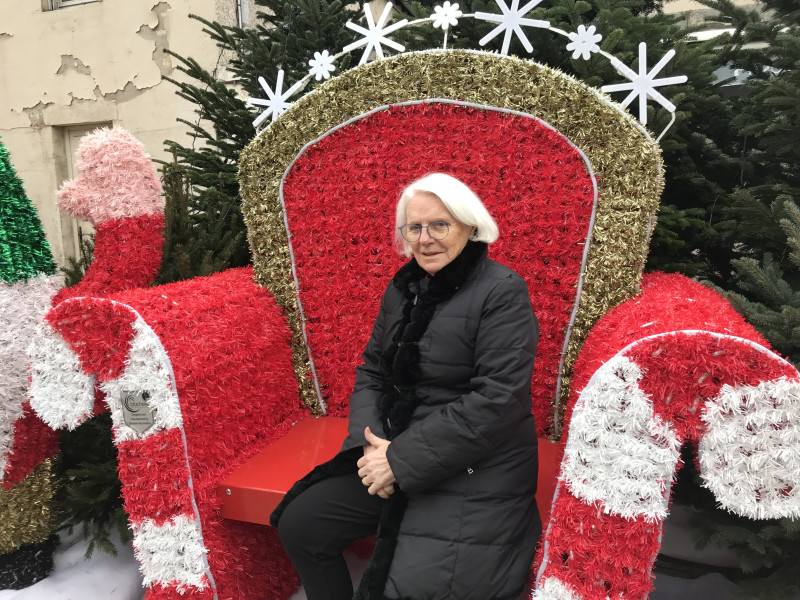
750 453
61 393
553 589
618 452
147 369
23 304
171 554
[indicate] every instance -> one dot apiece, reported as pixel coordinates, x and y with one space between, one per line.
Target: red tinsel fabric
127 254
534 183
675 364
227 345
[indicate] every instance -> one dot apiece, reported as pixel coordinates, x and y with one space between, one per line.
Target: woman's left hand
373 467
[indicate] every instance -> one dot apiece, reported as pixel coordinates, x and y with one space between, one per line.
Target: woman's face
423 209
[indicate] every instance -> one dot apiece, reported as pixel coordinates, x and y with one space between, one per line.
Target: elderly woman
441 455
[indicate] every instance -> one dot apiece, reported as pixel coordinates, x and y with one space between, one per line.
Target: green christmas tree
24 251
205 231
760 224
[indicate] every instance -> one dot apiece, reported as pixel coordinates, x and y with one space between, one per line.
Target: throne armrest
675 364
198 377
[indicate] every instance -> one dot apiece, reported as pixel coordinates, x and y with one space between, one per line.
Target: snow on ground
105 577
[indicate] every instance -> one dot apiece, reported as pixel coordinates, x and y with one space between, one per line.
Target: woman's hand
373 467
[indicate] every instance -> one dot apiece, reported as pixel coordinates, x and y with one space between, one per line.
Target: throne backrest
320 186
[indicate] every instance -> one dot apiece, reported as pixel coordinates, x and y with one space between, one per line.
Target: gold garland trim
25 510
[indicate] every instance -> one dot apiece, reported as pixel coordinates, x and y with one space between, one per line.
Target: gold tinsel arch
624 157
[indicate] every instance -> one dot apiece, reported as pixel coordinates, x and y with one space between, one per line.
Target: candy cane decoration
198 377
739 401
170 546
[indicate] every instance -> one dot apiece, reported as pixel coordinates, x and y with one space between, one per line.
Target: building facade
70 66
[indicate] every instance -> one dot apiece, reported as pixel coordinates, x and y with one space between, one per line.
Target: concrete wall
94 63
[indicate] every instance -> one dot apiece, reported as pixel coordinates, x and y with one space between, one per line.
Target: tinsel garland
676 364
609 137
343 266
24 251
27 518
27 284
213 355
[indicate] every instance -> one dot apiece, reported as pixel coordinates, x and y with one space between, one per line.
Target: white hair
459 199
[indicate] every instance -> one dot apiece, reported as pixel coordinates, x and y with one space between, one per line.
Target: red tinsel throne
201 375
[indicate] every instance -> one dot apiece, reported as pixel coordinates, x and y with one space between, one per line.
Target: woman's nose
425 236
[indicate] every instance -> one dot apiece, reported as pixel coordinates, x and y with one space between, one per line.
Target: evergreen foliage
761 217
207 232
76 267
90 493
195 244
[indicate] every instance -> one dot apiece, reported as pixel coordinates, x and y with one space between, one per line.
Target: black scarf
400 372
400 361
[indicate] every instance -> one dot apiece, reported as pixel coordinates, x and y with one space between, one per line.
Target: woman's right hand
387 490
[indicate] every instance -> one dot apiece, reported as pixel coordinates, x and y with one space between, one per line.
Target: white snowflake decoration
511 21
375 36
277 101
446 16
643 84
584 42
321 65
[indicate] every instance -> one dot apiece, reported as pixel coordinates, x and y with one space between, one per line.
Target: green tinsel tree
24 251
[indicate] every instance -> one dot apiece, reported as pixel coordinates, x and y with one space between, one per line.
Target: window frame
60 4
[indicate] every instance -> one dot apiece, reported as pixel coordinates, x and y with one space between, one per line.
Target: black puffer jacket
467 463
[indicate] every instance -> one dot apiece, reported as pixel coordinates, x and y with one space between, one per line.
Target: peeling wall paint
101 37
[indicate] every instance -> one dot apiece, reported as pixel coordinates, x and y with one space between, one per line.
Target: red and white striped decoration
720 387
170 546
213 355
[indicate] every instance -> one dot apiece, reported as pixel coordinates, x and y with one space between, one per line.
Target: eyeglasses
438 230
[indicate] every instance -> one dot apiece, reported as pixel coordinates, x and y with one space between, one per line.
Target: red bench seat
252 491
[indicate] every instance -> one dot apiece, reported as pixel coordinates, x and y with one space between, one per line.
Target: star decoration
376 34
584 42
276 103
643 84
321 65
446 15
511 22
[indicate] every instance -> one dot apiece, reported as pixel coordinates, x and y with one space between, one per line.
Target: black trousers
319 524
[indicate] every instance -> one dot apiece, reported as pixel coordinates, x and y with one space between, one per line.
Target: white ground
105 577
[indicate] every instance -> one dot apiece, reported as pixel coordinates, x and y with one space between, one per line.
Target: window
73 231
56 4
